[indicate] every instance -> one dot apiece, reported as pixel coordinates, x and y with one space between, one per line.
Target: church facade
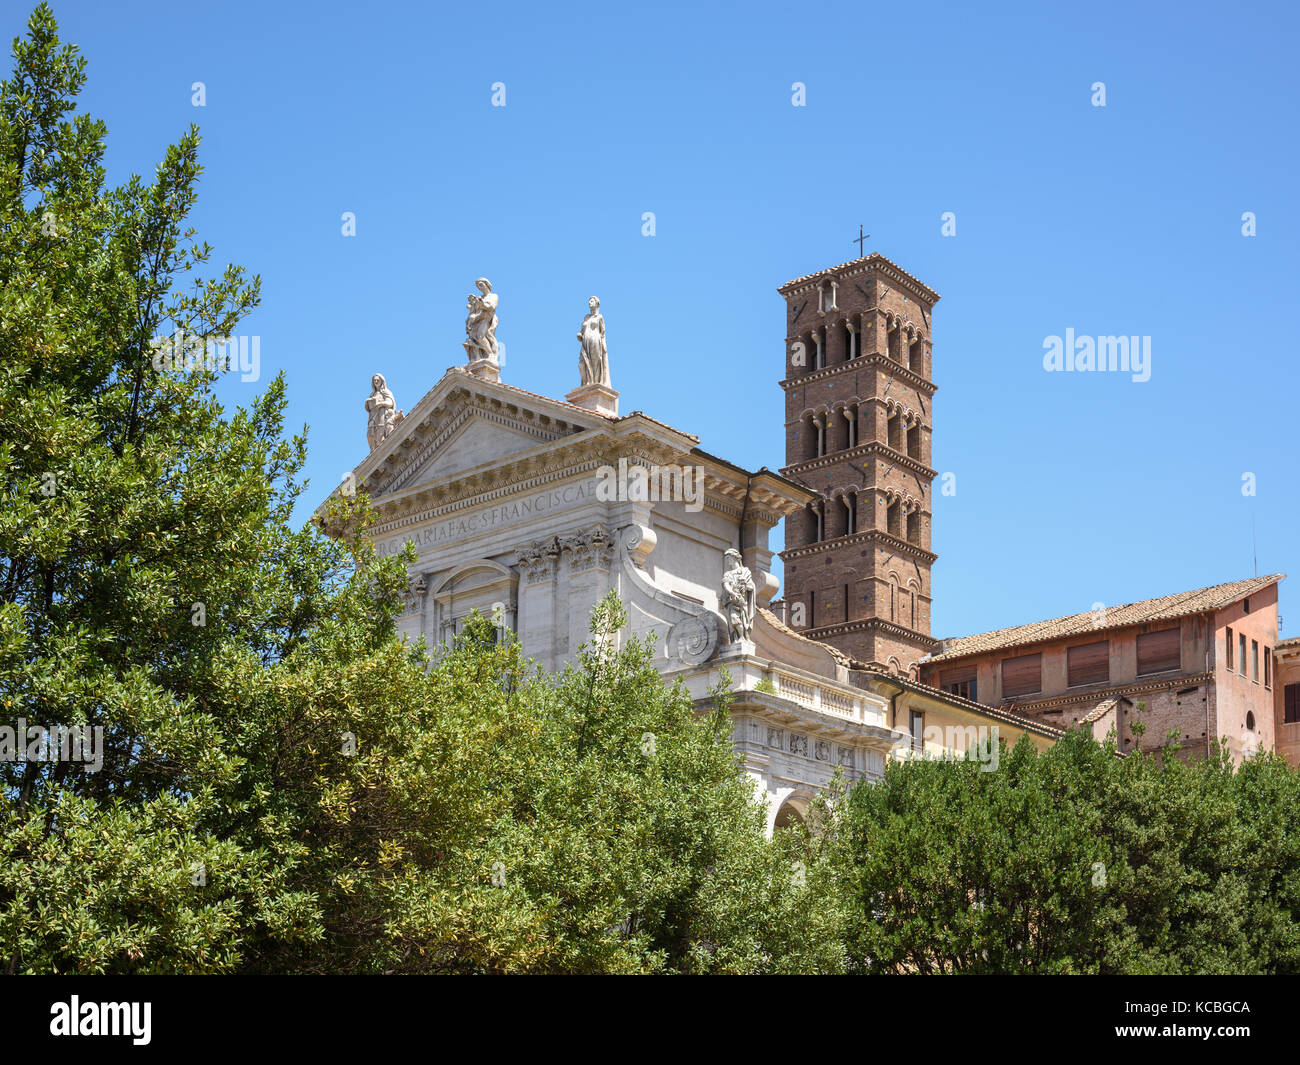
529 509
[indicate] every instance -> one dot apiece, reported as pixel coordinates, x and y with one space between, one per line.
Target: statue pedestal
487 368
737 649
600 398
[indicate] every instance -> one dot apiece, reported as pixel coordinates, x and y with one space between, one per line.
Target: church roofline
1010 717
874 260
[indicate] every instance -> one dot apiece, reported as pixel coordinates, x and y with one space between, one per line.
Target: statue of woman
481 324
383 412
738 597
593 360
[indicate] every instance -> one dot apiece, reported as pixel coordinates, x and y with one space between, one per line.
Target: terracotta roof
1098 711
874 256
1030 724
998 713
1116 617
781 626
1287 645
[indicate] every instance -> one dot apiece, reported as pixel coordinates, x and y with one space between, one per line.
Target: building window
1241 646
1291 704
1250 720
1022 675
959 681
914 527
1268 667
1088 663
1254 661
1229 655
1159 652
914 442
916 725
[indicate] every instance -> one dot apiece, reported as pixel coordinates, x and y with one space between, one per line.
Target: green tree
1074 861
509 821
147 564
286 785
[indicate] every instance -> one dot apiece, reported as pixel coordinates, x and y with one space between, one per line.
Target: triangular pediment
471 440
466 430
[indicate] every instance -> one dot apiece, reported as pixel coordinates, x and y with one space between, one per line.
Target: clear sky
1072 488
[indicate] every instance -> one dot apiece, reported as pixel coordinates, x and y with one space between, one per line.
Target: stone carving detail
384 414
537 561
481 324
798 744
593 358
413 597
694 635
693 639
591 549
738 597
823 750
846 757
774 737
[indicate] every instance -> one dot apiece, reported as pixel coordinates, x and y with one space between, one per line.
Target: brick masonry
859 402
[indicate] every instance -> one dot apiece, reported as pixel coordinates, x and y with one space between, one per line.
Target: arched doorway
788 816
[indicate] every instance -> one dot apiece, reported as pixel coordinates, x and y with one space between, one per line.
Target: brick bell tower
859 402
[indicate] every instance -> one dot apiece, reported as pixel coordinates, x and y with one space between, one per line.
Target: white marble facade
507 498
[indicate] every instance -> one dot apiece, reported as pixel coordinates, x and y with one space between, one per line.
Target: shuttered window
1022 676
1088 663
960 680
1291 704
1159 651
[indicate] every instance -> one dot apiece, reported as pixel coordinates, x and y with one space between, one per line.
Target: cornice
875 262
1097 695
921 384
863 624
901 547
872 448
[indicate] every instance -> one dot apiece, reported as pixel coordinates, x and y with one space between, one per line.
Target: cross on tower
860 240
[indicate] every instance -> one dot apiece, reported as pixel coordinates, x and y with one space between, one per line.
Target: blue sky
1072 489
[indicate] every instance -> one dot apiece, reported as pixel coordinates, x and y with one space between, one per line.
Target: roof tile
1164 608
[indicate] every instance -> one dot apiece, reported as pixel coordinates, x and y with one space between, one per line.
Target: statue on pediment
593 358
481 322
384 414
739 597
